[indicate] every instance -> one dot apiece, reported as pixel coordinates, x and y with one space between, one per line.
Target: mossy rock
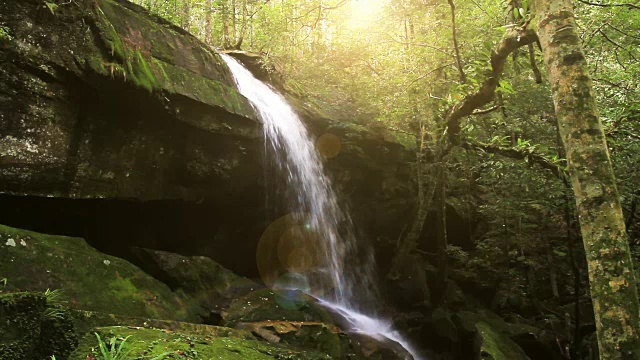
58 335
268 304
325 338
495 346
88 279
84 321
210 284
20 318
163 344
31 328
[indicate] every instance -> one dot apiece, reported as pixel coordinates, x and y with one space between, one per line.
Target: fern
55 304
112 349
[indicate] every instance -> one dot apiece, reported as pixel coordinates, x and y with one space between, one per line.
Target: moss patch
28 331
89 279
496 346
150 343
20 317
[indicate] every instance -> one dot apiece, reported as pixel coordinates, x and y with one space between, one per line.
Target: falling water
296 155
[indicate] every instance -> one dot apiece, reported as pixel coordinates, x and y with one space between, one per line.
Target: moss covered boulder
210 284
495 346
87 278
164 344
102 99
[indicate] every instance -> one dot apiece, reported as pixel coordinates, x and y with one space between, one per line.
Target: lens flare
329 145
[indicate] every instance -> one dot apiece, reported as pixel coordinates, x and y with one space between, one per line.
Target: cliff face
120 127
100 100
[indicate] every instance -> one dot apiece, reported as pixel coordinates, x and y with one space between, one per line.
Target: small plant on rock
113 348
55 304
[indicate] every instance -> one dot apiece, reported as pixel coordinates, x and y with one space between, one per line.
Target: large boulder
207 282
100 99
87 279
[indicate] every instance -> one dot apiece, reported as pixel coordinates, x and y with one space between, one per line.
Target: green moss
57 335
140 72
496 346
28 331
20 317
90 280
179 80
150 343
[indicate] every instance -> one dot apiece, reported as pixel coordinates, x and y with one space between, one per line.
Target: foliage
5 33
393 64
55 304
113 348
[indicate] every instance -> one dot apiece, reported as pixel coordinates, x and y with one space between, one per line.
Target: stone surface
322 337
102 100
278 305
206 281
495 346
87 279
154 343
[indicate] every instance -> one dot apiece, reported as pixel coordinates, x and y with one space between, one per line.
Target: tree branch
512 40
519 154
628 5
534 66
463 76
486 111
617 45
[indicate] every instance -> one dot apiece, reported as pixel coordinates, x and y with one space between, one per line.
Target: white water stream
296 155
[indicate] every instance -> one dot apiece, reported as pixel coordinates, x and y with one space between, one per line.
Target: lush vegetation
420 70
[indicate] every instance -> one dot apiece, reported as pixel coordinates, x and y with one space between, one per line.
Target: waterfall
313 200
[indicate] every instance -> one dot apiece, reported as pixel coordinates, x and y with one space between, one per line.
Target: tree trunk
186 15
553 277
208 9
611 273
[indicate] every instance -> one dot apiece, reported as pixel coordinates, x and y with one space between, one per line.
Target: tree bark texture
611 273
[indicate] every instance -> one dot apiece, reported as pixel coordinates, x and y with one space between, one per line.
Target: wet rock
323 337
267 304
380 348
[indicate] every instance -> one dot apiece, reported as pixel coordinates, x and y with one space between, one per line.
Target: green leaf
51 6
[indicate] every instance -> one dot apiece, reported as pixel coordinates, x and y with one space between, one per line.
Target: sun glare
364 12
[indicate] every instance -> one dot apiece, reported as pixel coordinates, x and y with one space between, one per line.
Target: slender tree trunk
441 227
426 192
553 278
611 273
207 22
224 12
186 14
